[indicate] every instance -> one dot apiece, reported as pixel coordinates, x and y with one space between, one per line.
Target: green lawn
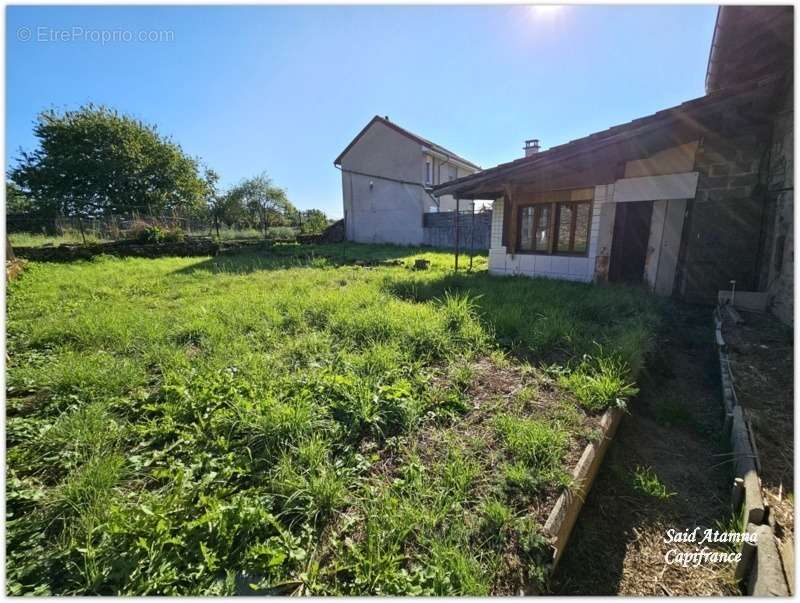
288 422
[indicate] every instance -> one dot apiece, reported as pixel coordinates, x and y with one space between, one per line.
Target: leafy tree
95 161
16 201
213 198
264 200
313 221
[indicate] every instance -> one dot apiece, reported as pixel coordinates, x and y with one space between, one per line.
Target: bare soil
760 352
618 545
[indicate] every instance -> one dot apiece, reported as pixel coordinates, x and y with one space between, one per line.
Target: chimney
531 147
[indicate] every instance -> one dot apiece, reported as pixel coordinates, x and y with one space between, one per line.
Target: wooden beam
511 207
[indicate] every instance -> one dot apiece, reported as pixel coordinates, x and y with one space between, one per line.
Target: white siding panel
656 188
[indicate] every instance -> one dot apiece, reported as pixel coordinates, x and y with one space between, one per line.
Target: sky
283 89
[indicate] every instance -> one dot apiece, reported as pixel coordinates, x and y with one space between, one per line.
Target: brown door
629 245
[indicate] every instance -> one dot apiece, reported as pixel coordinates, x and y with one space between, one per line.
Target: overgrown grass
251 424
74 237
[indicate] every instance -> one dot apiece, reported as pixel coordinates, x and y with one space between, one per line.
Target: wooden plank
745 468
737 494
751 433
786 550
565 512
767 578
745 564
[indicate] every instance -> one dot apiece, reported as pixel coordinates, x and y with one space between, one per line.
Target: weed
645 481
599 382
537 446
497 520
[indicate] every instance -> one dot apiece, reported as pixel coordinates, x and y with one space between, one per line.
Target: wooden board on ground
565 512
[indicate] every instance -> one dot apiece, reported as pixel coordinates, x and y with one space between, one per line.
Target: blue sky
284 89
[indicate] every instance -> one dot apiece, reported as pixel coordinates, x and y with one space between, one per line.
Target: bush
153 233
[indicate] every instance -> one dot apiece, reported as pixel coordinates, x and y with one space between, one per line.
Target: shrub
154 233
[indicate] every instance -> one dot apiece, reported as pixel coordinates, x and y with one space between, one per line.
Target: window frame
555 217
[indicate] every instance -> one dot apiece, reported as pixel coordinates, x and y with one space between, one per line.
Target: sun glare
546 11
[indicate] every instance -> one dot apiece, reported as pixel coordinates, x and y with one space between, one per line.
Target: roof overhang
600 158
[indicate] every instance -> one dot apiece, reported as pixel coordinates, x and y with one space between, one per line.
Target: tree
265 200
313 221
16 201
95 161
214 206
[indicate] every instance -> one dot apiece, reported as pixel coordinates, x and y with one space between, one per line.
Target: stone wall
65 253
780 195
722 237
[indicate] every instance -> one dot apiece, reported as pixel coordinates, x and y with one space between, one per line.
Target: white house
387 174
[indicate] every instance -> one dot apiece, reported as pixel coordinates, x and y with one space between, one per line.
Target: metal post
472 237
457 208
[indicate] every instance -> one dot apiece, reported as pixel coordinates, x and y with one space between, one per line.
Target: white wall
387 211
550 266
378 208
448 202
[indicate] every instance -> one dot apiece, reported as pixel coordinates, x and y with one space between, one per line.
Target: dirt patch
673 430
761 356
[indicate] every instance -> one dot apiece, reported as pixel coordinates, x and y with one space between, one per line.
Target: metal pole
457 208
472 237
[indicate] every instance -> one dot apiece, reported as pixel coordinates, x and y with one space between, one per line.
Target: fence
103 226
124 226
465 229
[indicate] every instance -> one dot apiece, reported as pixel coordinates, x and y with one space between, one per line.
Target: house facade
387 176
683 201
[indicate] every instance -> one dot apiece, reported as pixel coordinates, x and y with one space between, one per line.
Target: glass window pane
582 228
526 229
543 228
565 213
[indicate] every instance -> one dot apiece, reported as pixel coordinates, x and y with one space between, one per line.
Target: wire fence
28 230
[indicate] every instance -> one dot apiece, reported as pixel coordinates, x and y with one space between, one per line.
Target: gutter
447 159
712 52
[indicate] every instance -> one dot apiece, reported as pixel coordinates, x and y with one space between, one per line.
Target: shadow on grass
545 320
536 319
